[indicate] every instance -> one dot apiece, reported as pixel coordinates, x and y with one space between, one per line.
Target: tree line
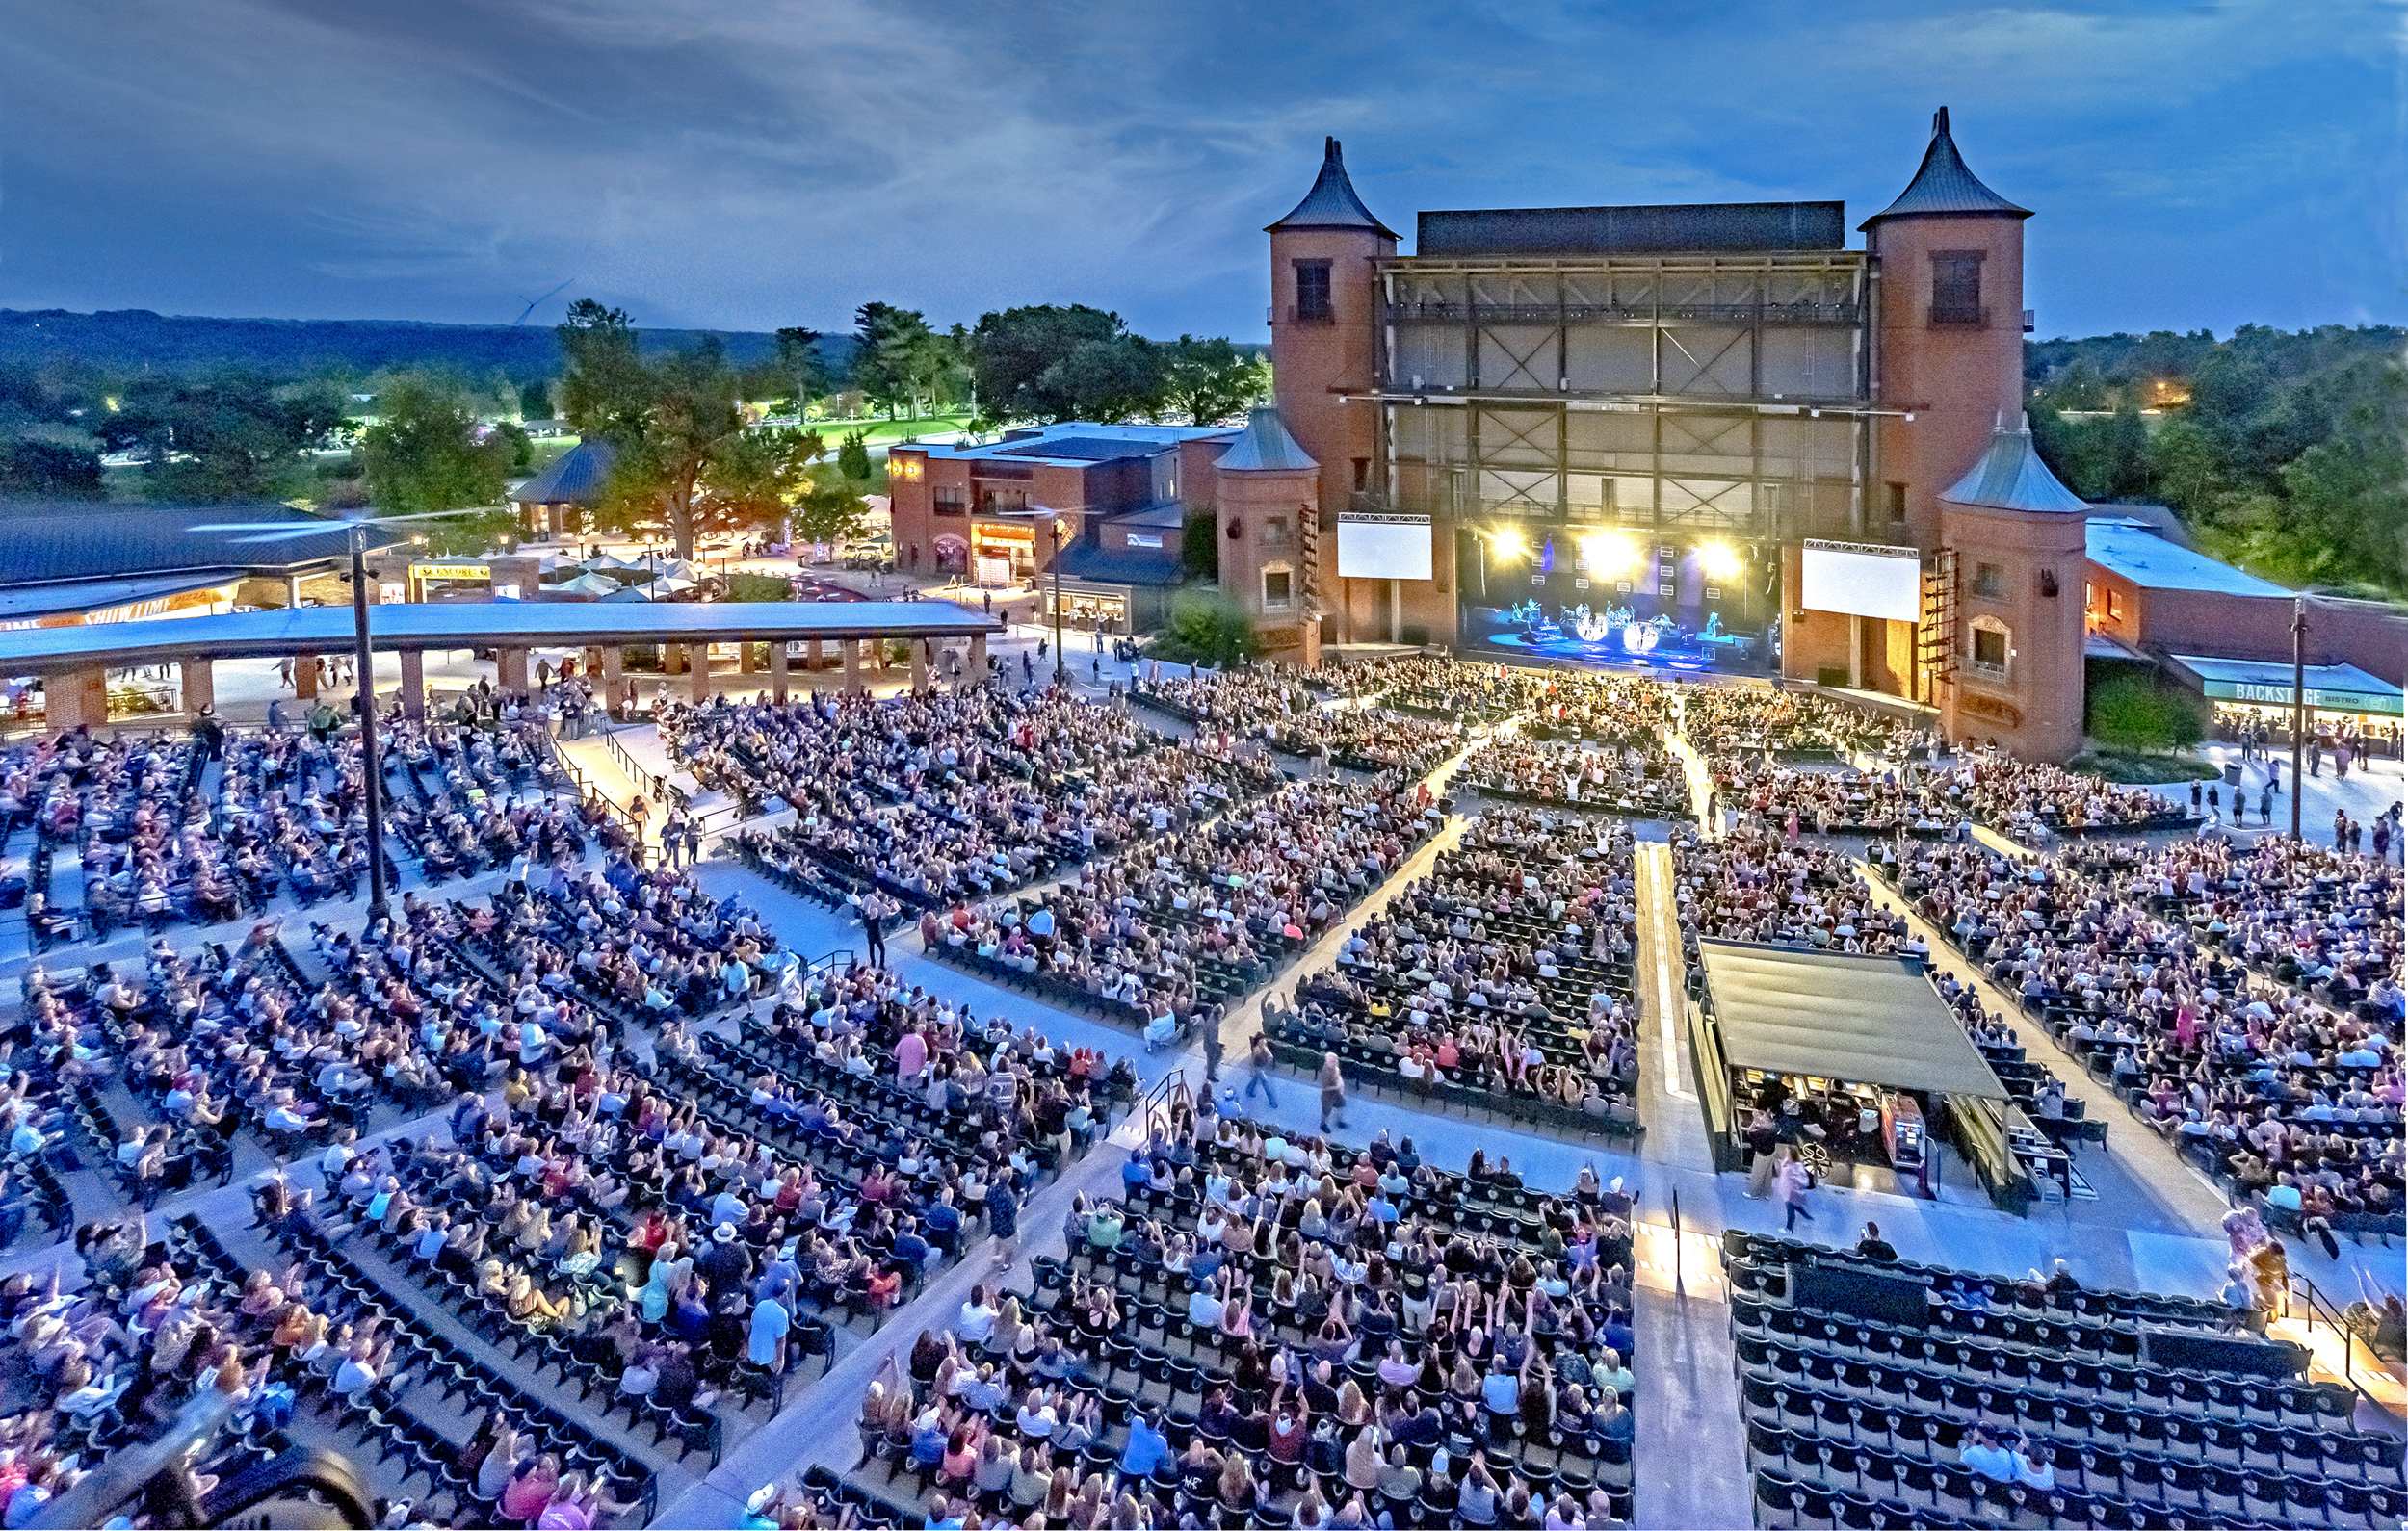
2284 453
692 457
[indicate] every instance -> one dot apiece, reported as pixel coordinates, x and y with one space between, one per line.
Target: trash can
2232 773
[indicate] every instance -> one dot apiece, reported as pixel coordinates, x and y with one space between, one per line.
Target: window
2114 606
1362 473
952 499
1312 292
1003 502
1990 579
1957 287
1990 650
1276 584
1897 500
1275 532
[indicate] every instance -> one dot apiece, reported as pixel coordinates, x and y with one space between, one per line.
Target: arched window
1992 648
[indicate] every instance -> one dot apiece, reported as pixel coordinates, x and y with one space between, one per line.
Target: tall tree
1053 363
688 418
898 356
799 362
606 392
1211 380
425 452
752 479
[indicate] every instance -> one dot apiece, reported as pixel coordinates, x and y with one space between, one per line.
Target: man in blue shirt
1147 1448
943 1221
1136 1172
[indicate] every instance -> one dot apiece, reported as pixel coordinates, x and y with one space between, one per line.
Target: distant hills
135 339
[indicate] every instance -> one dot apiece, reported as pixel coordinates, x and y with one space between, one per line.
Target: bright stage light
1610 554
1721 560
1507 545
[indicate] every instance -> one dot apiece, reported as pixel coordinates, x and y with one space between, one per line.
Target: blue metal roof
2129 549
1074 443
51 542
1100 565
1944 185
2011 477
1266 447
575 478
1331 203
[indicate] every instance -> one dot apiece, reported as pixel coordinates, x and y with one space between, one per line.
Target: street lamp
1053 528
355 534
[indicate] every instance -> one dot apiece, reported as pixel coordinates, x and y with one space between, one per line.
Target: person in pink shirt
911 1055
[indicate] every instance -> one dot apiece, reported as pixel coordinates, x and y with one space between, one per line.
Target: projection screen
1861 579
1375 545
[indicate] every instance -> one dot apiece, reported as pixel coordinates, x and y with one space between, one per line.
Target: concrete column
813 657
200 685
555 519
509 667
919 664
306 677
777 670
414 683
748 658
292 590
699 658
977 658
613 678
850 651
1857 653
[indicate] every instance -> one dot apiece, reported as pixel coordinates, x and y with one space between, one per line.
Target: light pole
366 695
1052 531
356 536
2298 705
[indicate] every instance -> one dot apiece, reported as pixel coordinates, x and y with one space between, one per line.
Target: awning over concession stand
1839 1016
2331 687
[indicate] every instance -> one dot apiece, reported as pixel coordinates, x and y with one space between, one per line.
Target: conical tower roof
1265 446
2011 477
1331 203
1944 185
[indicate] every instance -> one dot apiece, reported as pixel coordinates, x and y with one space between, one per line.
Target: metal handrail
2321 1306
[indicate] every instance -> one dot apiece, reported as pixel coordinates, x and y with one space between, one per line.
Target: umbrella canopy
677 568
669 584
603 562
632 592
589 585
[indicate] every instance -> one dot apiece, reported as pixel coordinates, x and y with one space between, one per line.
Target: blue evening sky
747 165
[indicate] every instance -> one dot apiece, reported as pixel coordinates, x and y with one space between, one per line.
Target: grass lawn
884 431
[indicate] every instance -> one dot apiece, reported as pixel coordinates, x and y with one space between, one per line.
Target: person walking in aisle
1258 1061
1792 1181
874 925
1003 1218
1333 1091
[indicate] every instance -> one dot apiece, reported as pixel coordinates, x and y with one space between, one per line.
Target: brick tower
1949 334
1323 306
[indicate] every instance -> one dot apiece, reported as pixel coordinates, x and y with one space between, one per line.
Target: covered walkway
75 662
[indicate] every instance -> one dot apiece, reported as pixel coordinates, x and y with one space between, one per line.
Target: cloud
782 162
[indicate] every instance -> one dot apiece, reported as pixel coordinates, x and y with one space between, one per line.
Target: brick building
1705 439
